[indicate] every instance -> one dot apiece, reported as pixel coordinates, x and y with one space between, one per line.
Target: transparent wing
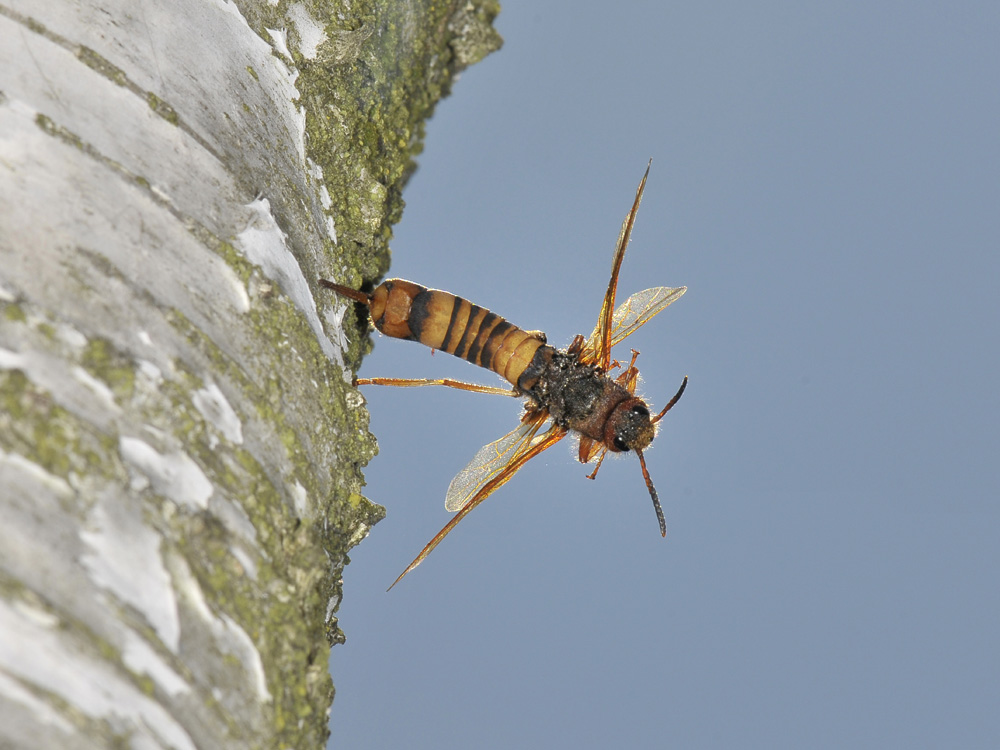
491 461
631 315
602 343
518 447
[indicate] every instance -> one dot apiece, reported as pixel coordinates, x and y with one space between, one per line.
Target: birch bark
180 448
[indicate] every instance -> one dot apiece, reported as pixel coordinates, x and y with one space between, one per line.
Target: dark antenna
642 460
652 494
674 400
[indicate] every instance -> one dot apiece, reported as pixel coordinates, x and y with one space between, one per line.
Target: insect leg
413 382
630 377
600 460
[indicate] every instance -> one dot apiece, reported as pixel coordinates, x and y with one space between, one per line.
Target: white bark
179 446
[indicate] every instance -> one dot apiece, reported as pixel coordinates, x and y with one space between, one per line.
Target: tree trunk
180 448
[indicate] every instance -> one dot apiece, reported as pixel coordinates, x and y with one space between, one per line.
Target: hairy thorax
578 396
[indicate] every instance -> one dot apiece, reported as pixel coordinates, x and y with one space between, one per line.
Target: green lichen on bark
98 63
14 313
48 125
32 424
366 96
114 369
161 108
373 83
283 606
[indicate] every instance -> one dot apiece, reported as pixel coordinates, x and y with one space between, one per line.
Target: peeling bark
180 448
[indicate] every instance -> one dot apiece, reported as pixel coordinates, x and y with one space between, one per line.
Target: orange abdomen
441 320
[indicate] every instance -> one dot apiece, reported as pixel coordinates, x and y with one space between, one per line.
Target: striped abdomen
443 321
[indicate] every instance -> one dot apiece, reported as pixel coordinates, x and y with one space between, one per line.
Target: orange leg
630 376
600 461
413 382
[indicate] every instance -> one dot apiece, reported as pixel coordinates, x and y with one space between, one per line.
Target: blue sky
826 181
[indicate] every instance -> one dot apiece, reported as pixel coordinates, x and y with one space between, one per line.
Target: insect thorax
578 396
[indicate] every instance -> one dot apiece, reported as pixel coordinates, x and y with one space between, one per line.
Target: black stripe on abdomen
489 321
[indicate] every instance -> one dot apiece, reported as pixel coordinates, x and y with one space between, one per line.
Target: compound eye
640 409
620 444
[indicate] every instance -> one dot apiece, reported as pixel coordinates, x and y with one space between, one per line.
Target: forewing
630 316
491 461
521 451
602 344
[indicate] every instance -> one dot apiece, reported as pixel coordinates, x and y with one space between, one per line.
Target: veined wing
491 461
630 316
523 444
604 320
